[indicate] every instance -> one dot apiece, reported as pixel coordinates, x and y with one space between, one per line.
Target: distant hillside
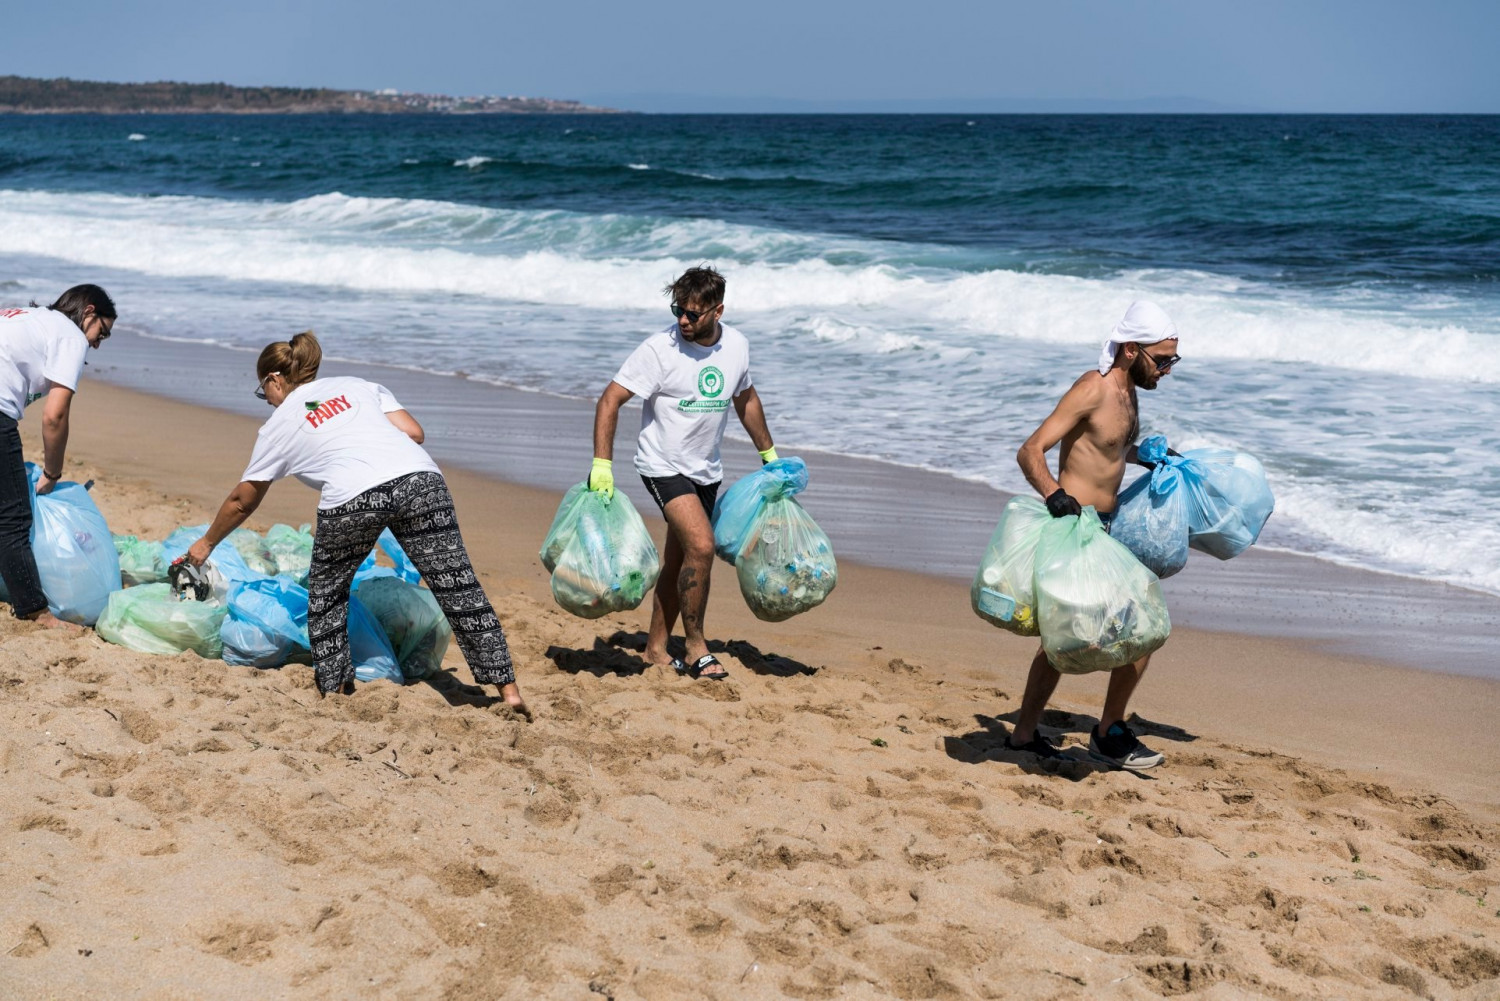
28 94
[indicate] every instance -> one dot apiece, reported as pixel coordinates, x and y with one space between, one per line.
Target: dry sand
839 820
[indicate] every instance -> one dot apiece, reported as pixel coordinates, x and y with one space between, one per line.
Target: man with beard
1097 422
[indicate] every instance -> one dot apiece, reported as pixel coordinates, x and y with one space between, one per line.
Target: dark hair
75 300
702 285
297 359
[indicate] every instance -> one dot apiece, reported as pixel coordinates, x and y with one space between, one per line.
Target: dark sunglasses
693 315
260 387
1162 364
104 331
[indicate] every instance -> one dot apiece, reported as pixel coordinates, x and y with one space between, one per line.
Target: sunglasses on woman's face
260 387
105 329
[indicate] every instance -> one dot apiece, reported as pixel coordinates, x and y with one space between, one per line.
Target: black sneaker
1038 745
1118 747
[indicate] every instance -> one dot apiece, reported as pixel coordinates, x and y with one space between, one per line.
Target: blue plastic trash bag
267 620
371 651
1003 593
600 555
1097 606
75 552
404 569
413 622
1232 500
151 619
784 561
1152 516
737 507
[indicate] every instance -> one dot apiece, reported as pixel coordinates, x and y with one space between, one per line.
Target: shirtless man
1096 421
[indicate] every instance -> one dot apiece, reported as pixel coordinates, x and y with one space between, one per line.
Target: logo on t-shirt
320 412
710 381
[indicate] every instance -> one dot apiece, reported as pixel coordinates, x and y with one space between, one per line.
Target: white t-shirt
37 347
333 434
687 391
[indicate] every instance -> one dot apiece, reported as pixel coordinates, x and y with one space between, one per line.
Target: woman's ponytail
297 360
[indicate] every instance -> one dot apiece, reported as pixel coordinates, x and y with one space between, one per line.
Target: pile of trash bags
599 553
75 558
784 561
256 610
1090 600
1210 499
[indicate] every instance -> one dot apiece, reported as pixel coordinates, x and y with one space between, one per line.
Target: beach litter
75 554
599 553
1003 592
784 561
140 561
151 619
1097 606
1213 500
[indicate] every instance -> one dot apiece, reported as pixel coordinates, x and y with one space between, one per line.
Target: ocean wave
620 262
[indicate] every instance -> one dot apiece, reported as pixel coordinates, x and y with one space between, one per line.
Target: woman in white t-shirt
352 441
41 358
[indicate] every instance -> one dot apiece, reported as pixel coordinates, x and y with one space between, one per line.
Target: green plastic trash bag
1004 593
601 557
1097 606
140 561
785 563
149 618
413 622
253 549
291 549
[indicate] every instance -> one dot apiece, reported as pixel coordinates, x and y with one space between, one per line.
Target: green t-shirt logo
710 381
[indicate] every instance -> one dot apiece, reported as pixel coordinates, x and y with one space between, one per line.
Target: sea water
917 289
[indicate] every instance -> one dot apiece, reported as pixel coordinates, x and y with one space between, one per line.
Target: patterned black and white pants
418 510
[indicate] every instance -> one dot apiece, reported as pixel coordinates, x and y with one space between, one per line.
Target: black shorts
667 488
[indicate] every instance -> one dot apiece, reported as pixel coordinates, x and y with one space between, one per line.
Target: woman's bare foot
511 693
47 620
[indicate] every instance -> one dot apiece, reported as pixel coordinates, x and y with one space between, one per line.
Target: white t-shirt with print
37 347
332 434
687 392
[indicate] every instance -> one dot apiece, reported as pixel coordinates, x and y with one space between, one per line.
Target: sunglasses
693 315
104 330
1162 364
260 387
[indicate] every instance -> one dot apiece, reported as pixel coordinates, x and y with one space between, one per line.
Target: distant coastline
30 95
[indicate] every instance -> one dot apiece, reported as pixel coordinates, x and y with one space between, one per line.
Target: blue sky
870 55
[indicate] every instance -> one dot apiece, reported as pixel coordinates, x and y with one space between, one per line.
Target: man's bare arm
753 417
607 418
1077 404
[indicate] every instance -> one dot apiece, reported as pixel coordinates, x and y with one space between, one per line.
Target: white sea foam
136 137
473 161
620 262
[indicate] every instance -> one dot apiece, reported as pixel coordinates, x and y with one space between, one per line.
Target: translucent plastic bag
785 563
291 550
140 561
267 620
601 557
403 569
1003 592
374 660
1231 500
225 556
149 618
1098 608
737 508
252 549
75 552
1152 516
413 622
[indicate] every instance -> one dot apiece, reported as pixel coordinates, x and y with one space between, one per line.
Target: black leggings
418 510
17 561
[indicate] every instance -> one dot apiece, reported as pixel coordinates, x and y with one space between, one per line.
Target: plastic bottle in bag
151 619
601 557
140 561
784 561
414 623
75 552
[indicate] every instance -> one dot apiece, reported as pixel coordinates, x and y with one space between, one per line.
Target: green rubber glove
602 478
768 455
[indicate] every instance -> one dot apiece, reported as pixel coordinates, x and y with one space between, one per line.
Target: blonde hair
297 359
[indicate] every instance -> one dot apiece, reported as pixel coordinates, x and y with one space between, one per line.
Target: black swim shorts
665 488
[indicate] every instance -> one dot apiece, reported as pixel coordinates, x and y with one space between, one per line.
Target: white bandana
1143 323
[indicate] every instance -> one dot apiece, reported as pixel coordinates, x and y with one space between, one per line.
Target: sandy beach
838 820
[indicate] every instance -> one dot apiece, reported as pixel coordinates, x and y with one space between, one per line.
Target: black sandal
704 663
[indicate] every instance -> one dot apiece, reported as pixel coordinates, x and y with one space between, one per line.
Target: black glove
1062 504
